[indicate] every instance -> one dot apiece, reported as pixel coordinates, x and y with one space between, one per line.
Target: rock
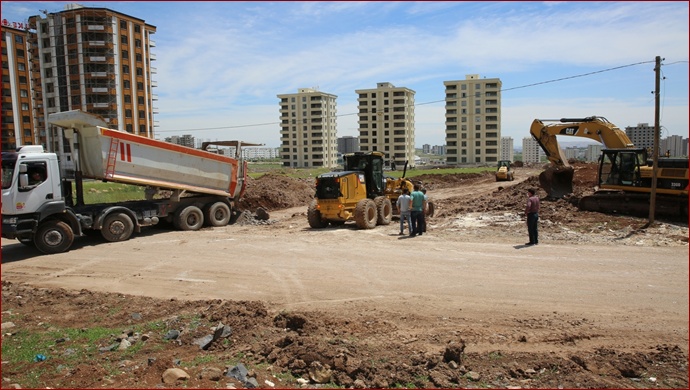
318 373
211 373
174 375
473 376
124 344
172 335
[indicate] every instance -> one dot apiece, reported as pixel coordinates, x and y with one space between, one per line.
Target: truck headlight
10 220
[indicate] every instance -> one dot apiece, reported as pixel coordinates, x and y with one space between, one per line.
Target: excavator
625 171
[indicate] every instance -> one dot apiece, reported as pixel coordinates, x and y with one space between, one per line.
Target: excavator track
635 204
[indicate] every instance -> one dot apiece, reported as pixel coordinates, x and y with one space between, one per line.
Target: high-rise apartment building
386 122
673 146
531 151
308 129
593 152
473 120
95 60
642 135
18 118
348 144
507 148
184 140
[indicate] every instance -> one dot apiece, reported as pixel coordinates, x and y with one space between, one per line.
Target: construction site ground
601 302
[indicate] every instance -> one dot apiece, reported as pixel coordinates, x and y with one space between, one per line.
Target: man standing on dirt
403 204
532 213
417 212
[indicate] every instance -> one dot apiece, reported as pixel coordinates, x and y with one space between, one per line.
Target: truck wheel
117 227
365 214
314 216
53 237
218 214
385 210
189 218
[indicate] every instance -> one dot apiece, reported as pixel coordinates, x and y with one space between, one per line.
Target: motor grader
361 192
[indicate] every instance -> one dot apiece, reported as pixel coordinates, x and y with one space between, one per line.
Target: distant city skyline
221 64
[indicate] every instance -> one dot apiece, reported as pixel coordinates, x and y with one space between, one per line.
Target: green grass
100 192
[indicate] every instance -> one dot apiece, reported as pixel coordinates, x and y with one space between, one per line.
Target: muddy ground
358 345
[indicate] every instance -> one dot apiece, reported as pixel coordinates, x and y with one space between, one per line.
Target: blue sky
221 65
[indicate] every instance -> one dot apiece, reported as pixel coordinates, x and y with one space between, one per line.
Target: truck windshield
9 161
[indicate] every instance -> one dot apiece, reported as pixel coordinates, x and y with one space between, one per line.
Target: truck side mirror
23 180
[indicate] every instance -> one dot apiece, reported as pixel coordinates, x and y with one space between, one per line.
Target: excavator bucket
557 182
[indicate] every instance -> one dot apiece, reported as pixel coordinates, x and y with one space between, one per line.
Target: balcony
93 27
152 57
97 59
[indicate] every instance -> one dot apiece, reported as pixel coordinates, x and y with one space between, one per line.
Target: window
123 24
123 39
20 65
22 79
126 84
128 114
46 57
25 106
20 53
128 98
19 39
125 54
125 68
23 93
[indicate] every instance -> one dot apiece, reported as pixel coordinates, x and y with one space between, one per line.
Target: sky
220 65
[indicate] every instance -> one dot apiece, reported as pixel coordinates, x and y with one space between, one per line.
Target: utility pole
655 150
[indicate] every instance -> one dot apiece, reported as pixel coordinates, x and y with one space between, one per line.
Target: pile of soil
275 191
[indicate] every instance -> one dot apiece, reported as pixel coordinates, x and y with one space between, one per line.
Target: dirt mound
296 349
274 191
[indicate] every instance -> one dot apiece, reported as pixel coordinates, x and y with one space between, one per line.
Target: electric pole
655 149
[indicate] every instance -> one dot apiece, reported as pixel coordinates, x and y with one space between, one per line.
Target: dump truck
187 187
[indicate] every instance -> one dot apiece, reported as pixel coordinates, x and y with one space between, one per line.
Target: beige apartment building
95 60
308 129
18 117
386 122
473 120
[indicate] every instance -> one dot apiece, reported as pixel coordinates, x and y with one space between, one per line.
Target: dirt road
468 277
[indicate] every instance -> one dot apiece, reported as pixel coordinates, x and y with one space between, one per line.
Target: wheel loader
359 193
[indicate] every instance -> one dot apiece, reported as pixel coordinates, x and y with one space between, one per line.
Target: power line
444 100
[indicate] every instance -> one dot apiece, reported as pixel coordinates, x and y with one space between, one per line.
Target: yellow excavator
625 172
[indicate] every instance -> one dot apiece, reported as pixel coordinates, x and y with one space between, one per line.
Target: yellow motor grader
361 192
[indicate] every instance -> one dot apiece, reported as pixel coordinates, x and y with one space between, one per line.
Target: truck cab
32 193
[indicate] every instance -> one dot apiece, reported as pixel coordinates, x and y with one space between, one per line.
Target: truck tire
314 216
366 214
189 218
117 227
218 214
385 210
53 237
